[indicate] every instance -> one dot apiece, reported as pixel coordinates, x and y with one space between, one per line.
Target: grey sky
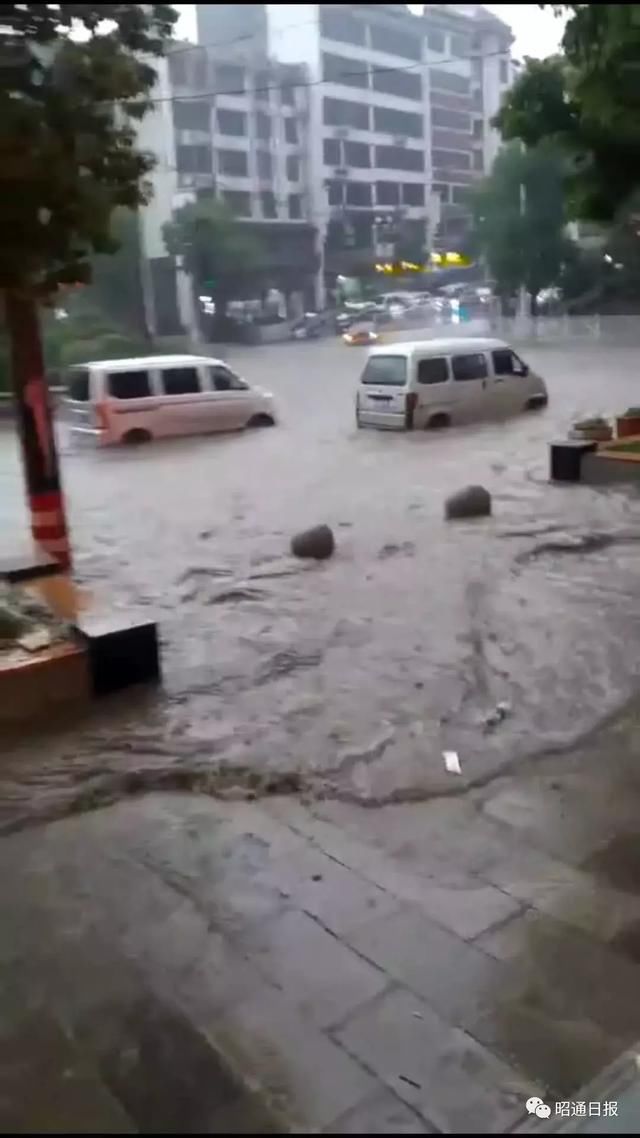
537 32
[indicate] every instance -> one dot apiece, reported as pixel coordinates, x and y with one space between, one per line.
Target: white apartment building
352 130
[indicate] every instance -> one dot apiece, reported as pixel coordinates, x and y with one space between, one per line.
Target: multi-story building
352 131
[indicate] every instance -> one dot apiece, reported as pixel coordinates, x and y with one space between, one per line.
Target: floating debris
452 762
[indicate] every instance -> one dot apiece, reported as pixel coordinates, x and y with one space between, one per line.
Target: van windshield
78 385
386 371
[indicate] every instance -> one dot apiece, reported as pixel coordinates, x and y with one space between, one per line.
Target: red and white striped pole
35 425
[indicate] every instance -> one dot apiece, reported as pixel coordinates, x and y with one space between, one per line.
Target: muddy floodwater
351 677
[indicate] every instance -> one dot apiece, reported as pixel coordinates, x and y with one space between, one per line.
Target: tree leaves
588 100
68 153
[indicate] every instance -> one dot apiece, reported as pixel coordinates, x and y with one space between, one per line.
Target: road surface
353 676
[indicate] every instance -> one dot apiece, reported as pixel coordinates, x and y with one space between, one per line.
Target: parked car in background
136 400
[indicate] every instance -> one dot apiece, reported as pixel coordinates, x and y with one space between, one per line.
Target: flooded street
349 677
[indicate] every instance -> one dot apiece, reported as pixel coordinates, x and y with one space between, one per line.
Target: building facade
352 132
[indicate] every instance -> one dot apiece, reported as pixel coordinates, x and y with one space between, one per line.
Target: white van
135 400
434 383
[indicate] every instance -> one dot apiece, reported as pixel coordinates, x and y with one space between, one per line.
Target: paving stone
568 973
307 1078
381 1113
456 978
458 901
47 1085
573 896
457 1085
563 827
558 1052
339 898
320 973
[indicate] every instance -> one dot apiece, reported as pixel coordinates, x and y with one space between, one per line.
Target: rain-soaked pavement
353 675
184 963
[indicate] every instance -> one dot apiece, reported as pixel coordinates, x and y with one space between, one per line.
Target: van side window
129 384
222 379
471 366
180 381
78 388
433 370
506 362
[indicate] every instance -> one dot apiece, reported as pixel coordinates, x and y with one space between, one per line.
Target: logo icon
536 1106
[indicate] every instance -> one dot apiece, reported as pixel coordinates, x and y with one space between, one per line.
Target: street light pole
523 299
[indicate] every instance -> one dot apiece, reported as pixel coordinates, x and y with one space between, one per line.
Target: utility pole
523 298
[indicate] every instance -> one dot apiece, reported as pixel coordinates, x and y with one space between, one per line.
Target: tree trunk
35 425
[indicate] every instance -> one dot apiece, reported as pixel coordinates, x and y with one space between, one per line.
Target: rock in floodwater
317 542
472 502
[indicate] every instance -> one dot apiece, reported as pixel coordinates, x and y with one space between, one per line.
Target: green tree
68 111
116 283
588 101
519 219
219 253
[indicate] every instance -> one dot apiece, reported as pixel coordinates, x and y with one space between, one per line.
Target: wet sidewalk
180 963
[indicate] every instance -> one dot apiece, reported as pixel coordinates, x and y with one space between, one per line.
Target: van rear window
78 385
386 371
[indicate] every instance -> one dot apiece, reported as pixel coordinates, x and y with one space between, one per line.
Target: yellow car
360 337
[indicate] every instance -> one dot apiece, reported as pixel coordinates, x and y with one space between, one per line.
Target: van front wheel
136 437
438 422
261 420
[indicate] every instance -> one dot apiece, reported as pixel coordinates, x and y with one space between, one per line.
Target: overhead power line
302 85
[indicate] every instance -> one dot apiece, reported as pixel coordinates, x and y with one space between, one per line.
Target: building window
337 24
295 207
293 168
460 46
402 83
340 112
357 154
190 115
239 202
129 384
451 159
335 190
449 81
442 190
478 160
337 69
386 120
199 70
436 41
331 151
232 122
399 158
359 193
460 195
393 42
268 204
413 193
264 164
263 126
233 162
450 140
387 193
194 159
180 381
455 120
229 80
455 102
287 96
178 67
504 71
478 128
291 130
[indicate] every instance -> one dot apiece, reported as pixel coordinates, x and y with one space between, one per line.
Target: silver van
437 383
